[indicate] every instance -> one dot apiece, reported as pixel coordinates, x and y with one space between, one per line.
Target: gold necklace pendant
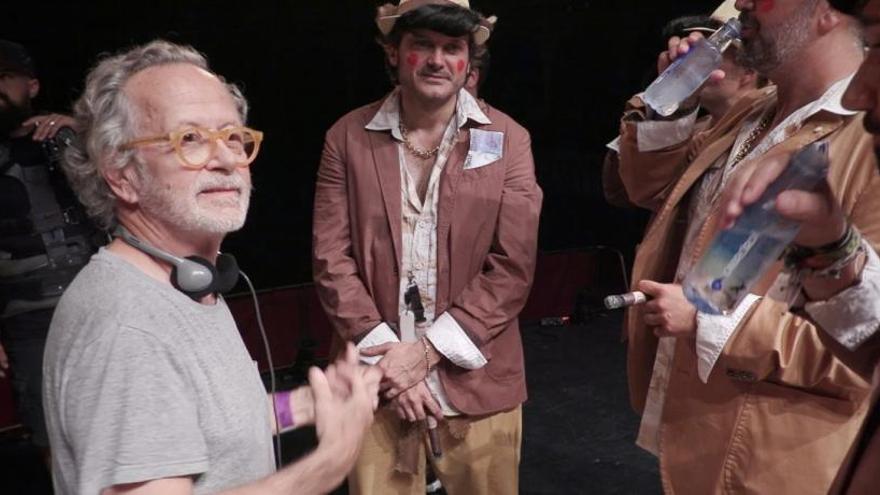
750 141
418 152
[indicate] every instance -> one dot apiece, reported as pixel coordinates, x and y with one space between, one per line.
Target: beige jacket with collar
779 411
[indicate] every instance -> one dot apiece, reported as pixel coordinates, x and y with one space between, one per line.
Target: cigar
433 437
624 300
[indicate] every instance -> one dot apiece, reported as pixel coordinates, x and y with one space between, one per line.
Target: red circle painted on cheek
412 59
461 65
765 6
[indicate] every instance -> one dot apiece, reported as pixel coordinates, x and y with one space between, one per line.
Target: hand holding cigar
433 437
625 300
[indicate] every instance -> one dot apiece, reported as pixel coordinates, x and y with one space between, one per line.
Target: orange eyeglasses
196 145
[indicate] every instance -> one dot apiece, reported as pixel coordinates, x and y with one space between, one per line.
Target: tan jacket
487 237
779 412
860 473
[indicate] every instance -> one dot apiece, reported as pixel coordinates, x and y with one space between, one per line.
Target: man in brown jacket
716 97
751 402
425 236
821 216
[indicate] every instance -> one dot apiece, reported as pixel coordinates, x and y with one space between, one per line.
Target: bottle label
741 253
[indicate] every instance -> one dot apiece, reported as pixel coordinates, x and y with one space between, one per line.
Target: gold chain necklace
751 140
418 152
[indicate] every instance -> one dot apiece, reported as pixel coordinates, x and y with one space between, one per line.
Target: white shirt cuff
450 340
381 334
653 135
713 332
614 145
853 316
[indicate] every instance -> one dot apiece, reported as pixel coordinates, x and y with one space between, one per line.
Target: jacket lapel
449 183
386 159
446 207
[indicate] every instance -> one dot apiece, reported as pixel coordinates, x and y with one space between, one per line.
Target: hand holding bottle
739 256
818 211
686 65
678 47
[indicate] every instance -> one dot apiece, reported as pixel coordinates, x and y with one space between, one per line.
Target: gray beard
767 52
173 208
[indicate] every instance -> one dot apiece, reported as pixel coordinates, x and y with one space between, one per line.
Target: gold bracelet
427 355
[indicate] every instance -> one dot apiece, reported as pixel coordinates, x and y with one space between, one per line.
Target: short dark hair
482 60
450 20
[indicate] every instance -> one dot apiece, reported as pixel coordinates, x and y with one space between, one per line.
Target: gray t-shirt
142 383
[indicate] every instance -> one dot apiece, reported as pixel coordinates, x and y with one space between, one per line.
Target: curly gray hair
106 121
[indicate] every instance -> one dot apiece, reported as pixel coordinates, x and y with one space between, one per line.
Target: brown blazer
487 243
779 412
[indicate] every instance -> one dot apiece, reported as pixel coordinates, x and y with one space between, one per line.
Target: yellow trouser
485 462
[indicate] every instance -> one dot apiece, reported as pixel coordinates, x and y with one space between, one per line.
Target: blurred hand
343 409
668 313
403 365
416 403
46 126
372 376
822 220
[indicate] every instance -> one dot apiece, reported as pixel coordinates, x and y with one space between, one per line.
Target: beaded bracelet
826 261
283 414
427 356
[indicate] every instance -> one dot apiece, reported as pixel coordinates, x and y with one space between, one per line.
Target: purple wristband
283 414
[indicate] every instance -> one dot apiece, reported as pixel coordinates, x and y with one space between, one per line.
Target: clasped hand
405 367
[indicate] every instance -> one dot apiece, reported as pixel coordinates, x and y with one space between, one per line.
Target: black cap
851 7
14 58
683 26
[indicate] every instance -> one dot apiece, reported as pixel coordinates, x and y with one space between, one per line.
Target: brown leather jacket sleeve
495 297
342 293
612 187
777 345
648 176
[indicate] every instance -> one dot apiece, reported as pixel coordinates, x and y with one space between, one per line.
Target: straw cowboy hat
388 15
722 14
725 11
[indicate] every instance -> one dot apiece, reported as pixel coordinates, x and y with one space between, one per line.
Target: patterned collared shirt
419 239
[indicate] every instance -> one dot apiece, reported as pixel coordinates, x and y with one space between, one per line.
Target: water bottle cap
735 24
728 33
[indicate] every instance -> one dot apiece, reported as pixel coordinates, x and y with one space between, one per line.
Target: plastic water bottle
740 256
681 79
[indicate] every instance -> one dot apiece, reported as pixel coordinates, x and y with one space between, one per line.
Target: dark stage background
562 68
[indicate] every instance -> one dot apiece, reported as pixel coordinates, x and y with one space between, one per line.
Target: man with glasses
425 236
148 387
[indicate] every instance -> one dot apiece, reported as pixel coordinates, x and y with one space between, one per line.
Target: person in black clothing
45 237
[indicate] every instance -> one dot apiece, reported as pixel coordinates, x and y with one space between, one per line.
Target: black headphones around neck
194 276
